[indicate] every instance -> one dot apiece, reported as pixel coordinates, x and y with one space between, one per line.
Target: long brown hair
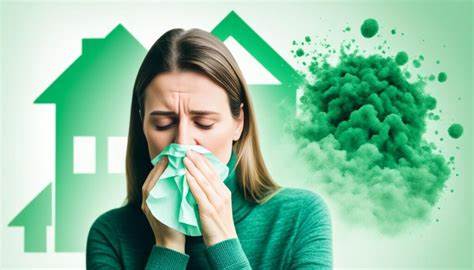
199 51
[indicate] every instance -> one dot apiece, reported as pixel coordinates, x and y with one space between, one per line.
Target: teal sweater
292 230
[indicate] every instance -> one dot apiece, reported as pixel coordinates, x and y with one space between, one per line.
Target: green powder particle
416 63
401 58
308 39
393 31
455 131
431 77
442 77
299 52
361 131
369 28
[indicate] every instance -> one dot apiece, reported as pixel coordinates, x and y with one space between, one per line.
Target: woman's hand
213 197
164 235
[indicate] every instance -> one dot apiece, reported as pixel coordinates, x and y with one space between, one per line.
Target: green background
40 40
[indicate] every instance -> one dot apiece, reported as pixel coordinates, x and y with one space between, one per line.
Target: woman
189 90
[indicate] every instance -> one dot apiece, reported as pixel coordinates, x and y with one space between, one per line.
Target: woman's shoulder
111 219
294 199
299 196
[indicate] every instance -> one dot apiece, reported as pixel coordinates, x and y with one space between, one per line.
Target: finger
153 176
199 195
158 170
220 186
206 186
199 160
201 173
211 167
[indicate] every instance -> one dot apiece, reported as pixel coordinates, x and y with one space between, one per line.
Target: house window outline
116 153
84 155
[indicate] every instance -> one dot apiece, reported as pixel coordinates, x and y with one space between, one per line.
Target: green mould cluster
360 128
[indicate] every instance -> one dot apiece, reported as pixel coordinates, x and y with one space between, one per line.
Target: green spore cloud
360 129
369 28
455 130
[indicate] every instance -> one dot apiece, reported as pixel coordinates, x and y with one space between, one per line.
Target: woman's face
188 108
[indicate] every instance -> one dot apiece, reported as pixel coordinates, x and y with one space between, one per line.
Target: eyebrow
195 112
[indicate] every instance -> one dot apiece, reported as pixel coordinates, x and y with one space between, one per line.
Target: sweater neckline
240 206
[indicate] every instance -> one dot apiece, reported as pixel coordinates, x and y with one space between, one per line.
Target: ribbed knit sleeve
102 251
165 258
227 254
312 248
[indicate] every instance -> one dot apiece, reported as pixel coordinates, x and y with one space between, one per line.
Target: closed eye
204 126
197 124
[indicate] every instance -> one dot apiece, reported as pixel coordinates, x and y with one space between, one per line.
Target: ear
240 124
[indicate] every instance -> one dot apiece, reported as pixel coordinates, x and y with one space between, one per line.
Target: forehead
193 88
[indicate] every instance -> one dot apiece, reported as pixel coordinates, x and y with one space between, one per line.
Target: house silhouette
93 97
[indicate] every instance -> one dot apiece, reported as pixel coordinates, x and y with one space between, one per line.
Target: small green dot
416 63
455 130
442 77
369 28
299 52
401 58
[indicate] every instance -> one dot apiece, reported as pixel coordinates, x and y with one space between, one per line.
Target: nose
184 131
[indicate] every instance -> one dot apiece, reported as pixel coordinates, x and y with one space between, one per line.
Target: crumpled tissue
171 200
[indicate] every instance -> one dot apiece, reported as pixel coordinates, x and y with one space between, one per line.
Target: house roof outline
90 48
234 26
